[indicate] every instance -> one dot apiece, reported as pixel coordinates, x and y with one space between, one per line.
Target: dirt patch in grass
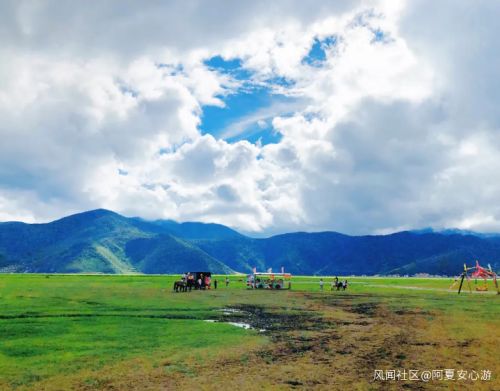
322 345
336 342
327 342
274 320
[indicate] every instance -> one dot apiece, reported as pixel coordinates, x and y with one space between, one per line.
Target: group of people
336 284
202 282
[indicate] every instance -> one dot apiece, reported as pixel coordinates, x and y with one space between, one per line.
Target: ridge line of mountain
103 241
103 211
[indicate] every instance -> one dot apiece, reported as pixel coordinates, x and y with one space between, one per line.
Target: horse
191 283
180 286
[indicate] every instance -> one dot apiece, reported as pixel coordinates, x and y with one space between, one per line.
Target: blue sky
241 105
317 54
248 110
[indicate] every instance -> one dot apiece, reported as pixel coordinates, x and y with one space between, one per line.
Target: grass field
62 332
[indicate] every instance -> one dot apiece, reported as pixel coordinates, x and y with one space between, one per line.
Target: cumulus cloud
393 125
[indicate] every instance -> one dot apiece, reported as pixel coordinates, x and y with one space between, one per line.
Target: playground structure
476 272
269 281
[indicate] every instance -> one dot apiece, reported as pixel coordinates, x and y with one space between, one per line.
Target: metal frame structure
476 272
277 281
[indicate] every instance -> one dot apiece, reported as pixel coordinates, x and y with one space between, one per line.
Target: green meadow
93 332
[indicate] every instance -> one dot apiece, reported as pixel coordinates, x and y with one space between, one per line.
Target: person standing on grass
321 284
227 282
215 283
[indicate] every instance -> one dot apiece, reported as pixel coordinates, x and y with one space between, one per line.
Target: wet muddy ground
323 342
336 344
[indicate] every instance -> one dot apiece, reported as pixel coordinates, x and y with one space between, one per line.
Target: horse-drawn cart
193 280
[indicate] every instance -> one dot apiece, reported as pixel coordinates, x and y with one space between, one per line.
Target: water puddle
245 326
231 311
242 325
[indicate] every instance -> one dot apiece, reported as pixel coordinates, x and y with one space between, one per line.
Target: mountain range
102 241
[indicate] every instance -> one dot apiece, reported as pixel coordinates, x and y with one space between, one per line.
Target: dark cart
193 280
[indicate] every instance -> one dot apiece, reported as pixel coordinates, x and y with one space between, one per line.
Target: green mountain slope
167 254
102 241
98 241
330 253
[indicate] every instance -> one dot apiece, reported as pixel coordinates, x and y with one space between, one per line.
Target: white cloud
397 127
